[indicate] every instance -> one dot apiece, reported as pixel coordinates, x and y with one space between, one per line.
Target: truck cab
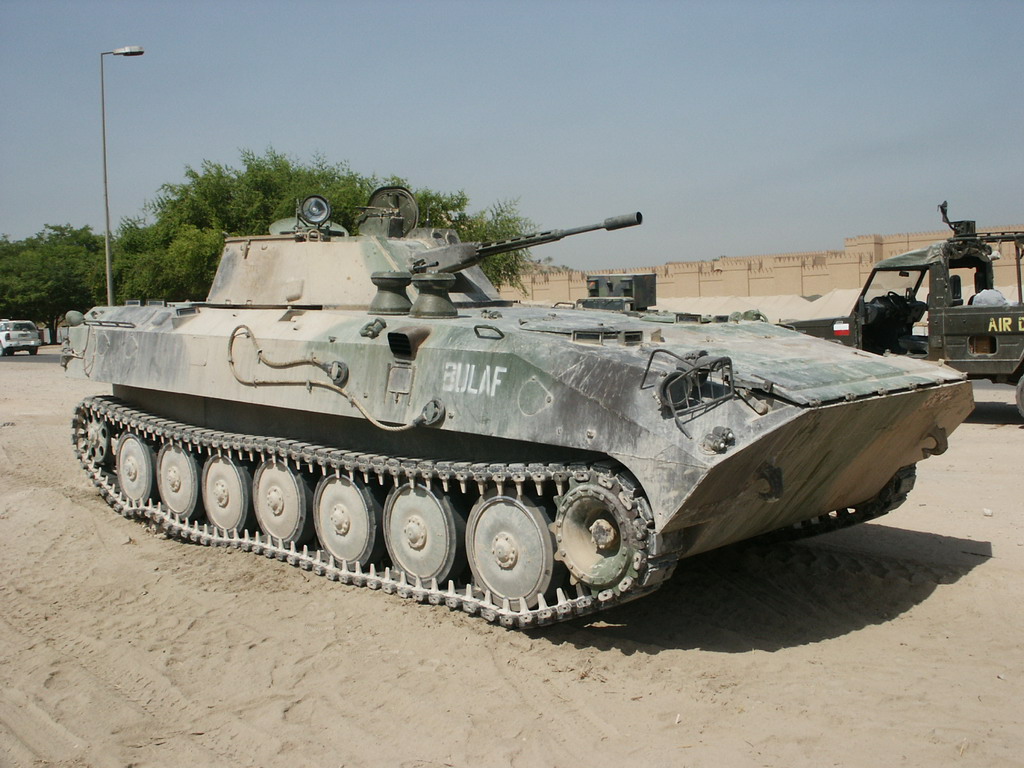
971 326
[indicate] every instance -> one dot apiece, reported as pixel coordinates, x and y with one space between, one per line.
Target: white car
18 335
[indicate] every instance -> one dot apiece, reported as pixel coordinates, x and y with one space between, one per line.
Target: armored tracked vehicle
366 407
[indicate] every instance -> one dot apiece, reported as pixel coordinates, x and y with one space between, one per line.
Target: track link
324 461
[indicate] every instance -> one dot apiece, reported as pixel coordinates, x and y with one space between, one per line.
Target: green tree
43 276
179 271
176 256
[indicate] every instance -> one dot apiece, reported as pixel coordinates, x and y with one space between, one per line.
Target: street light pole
130 50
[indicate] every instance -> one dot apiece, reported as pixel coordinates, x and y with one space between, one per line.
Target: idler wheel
227 494
177 478
595 537
136 468
425 536
348 520
511 549
94 441
282 500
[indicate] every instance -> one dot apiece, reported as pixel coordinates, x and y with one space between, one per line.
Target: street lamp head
128 50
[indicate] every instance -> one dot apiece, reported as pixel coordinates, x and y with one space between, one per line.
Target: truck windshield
904 282
24 327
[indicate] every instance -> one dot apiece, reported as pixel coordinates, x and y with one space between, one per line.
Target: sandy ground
894 643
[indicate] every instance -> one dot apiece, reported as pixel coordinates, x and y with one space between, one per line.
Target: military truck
980 332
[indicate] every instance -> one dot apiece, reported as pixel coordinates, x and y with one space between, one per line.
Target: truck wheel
1020 397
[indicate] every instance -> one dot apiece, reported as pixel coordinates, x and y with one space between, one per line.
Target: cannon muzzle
626 220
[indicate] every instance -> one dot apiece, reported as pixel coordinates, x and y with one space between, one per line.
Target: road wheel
177 477
424 534
227 494
282 500
136 468
511 549
348 520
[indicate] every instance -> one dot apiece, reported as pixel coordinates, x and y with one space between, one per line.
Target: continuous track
891 496
317 460
323 461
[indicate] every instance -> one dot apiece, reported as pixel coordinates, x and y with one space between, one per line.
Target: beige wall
802 274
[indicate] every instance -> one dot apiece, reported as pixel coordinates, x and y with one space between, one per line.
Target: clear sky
737 128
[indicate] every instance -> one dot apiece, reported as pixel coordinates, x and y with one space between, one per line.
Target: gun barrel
483 250
552 235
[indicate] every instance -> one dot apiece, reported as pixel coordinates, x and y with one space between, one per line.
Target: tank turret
309 261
